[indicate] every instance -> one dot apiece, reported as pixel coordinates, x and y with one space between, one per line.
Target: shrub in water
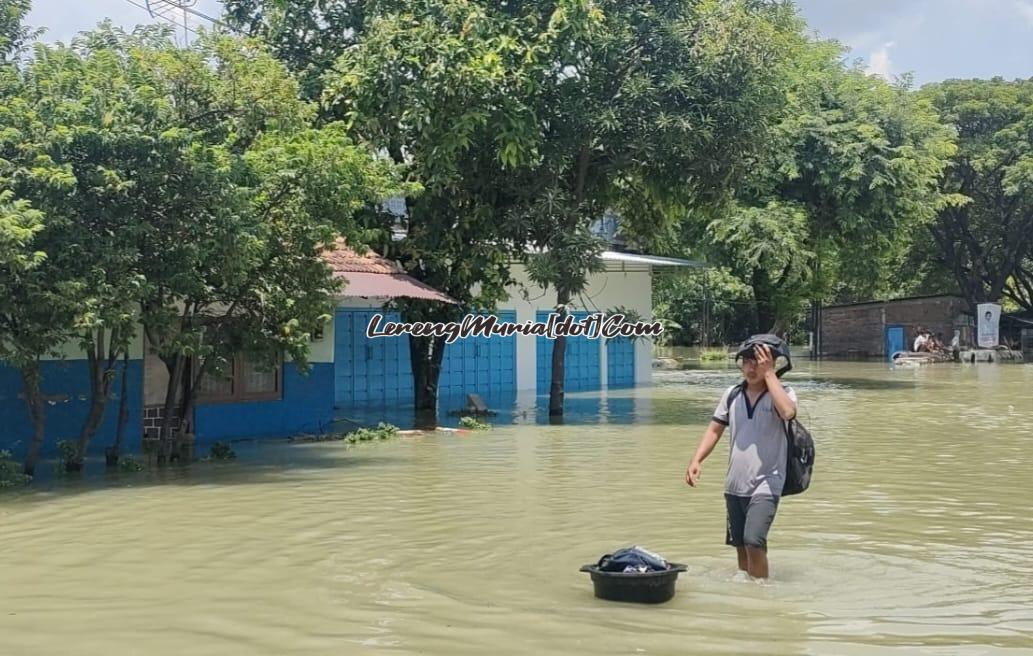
128 463
381 432
471 423
11 472
222 451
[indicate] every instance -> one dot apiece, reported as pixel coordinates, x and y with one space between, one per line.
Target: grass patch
472 423
713 355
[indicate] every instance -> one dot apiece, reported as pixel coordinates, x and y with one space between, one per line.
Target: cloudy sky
933 39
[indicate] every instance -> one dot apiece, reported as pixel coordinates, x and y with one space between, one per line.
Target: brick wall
152 416
859 330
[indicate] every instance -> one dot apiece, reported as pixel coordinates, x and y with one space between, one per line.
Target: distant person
921 340
956 346
756 467
937 344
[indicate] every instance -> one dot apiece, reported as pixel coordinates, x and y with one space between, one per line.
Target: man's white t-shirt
756 464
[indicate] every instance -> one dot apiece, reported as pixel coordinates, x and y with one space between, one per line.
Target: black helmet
779 348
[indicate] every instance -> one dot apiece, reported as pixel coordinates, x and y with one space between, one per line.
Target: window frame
238 395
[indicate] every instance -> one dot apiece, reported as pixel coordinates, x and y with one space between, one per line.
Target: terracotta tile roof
343 259
372 275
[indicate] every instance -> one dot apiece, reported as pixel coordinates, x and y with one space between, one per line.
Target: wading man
754 411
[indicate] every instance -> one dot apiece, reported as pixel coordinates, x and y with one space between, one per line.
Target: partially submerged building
350 370
878 329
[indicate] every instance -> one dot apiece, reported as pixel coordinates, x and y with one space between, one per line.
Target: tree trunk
37 412
115 450
175 372
426 354
193 384
101 367
767 314
559 350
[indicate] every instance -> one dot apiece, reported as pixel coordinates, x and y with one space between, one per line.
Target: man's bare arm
706 445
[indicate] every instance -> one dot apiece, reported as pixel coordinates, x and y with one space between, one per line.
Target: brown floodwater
916 536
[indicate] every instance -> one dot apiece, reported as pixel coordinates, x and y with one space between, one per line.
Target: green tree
653 110
442 87
830 212
985 238
34 313
306 35
230 244
182 189
14 34
706 307
525 121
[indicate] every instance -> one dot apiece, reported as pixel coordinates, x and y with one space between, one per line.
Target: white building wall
605 291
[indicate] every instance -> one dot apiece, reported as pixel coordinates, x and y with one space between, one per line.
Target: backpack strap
732 395
736 391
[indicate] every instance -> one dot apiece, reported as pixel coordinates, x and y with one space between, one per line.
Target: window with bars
243 381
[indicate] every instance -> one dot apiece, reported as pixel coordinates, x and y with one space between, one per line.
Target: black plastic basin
641 588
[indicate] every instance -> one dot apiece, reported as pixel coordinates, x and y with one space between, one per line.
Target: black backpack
799 455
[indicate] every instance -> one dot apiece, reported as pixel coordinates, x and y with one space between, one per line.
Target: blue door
581 360
620 362
481 365
894 340
369 371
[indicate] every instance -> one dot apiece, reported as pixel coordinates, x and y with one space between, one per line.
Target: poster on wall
988 319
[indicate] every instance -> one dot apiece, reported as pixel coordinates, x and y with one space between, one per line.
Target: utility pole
705 332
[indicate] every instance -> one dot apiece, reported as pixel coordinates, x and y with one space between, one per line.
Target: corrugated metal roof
388 285
650 260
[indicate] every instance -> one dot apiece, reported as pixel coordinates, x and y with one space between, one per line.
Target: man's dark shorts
749 519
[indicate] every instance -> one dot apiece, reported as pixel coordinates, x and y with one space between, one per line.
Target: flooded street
916 536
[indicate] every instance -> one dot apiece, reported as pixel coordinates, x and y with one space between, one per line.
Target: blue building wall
620 362
65 418
581 360
305 407
369 371
481 365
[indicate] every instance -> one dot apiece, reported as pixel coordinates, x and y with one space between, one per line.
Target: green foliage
222 451
183 189
307 35
474 424
382 431
67 449
850 175
713 355
524 122
128 463
983 237
14 35
682 298
11 472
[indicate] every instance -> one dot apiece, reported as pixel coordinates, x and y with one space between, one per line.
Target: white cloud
1025 9
879 62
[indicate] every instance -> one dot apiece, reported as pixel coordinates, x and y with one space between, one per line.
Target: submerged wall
66 390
